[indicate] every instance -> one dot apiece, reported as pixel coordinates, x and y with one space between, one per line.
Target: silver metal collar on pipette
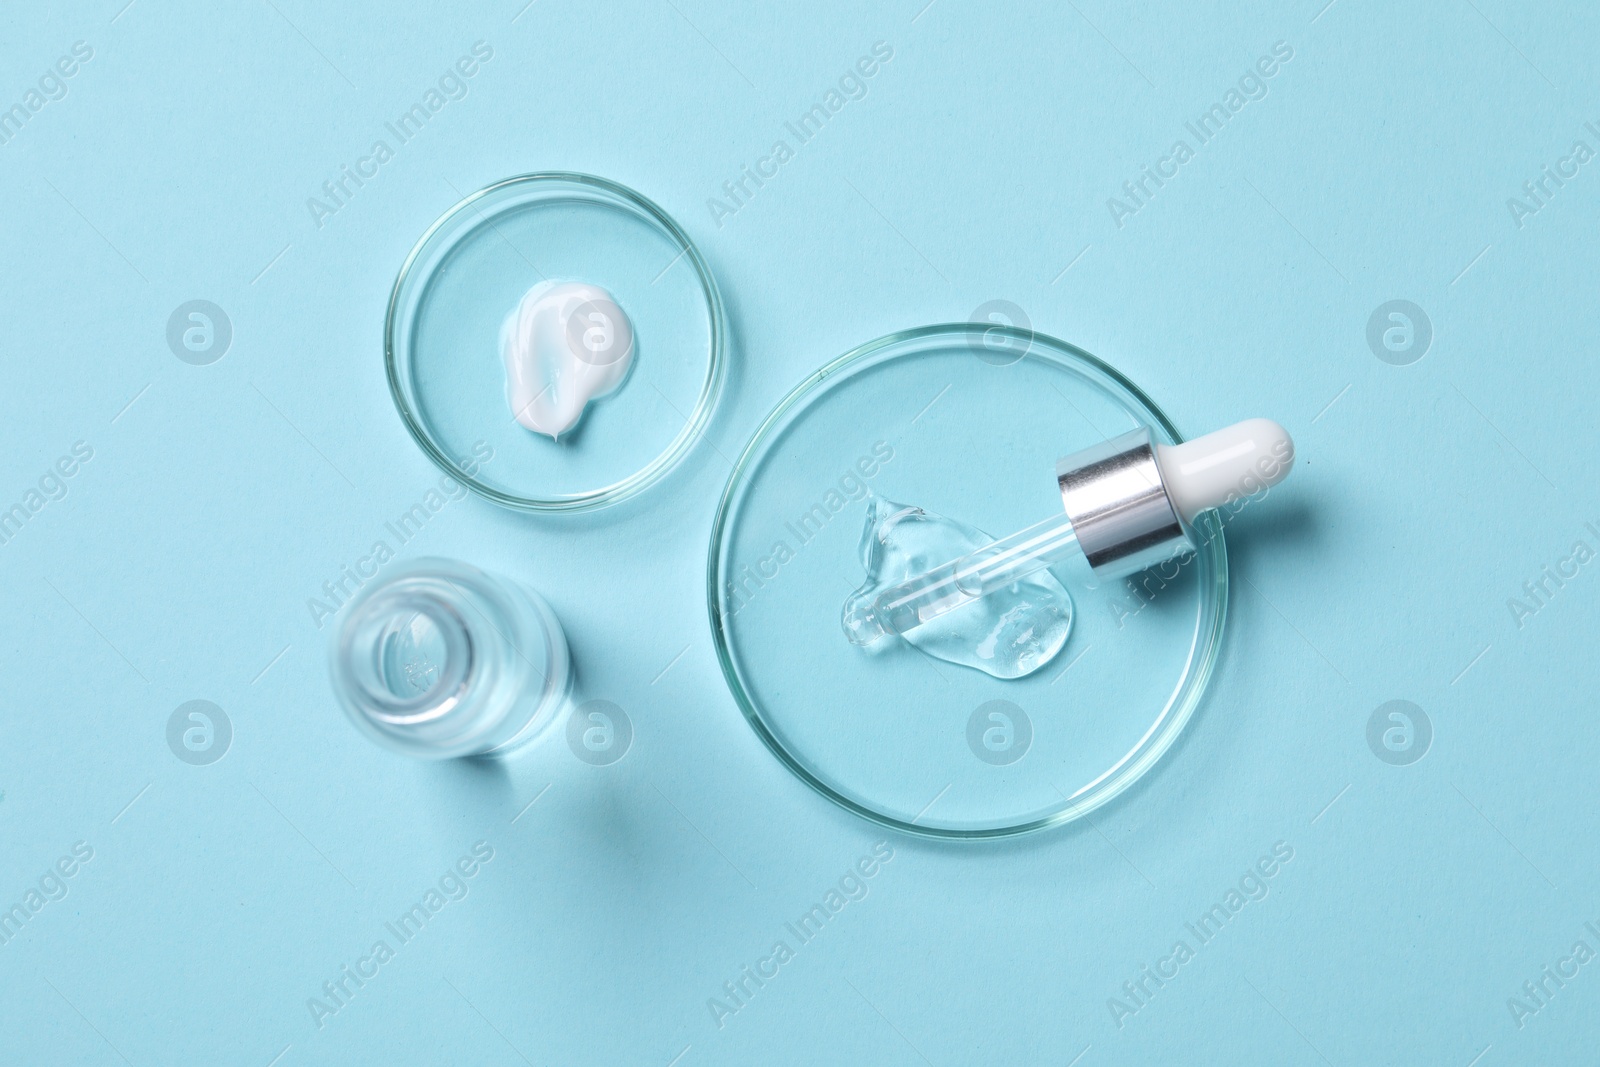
1117 501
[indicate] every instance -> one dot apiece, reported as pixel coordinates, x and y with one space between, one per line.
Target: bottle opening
412 655
409 653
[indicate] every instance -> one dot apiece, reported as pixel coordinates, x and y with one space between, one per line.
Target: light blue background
977 167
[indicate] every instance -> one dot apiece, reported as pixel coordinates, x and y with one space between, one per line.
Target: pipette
1129 503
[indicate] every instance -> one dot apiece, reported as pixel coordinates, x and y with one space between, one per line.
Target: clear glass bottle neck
444 660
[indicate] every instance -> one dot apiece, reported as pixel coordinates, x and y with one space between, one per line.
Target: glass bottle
440 659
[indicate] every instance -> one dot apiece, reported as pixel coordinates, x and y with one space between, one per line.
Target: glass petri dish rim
585 185
1163 732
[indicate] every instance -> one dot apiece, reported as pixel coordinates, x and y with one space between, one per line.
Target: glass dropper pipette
1129 504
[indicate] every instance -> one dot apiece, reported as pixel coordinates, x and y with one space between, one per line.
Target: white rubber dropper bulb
1231 463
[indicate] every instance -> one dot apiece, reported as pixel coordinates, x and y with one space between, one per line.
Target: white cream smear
565 344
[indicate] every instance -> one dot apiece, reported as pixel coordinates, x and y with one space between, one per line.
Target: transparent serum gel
441 659
1012 632
564 345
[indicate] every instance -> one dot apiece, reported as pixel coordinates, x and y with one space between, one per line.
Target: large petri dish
473 266
965 420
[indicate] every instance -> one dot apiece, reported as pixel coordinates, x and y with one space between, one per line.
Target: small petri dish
965 420
471 269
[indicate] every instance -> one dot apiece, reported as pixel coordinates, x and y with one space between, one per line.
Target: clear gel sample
564 345
1009 632
901 607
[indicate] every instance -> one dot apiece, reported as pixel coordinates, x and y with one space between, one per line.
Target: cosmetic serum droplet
1008 633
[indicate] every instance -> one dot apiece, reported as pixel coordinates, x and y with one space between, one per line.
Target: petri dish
965 420
470 270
